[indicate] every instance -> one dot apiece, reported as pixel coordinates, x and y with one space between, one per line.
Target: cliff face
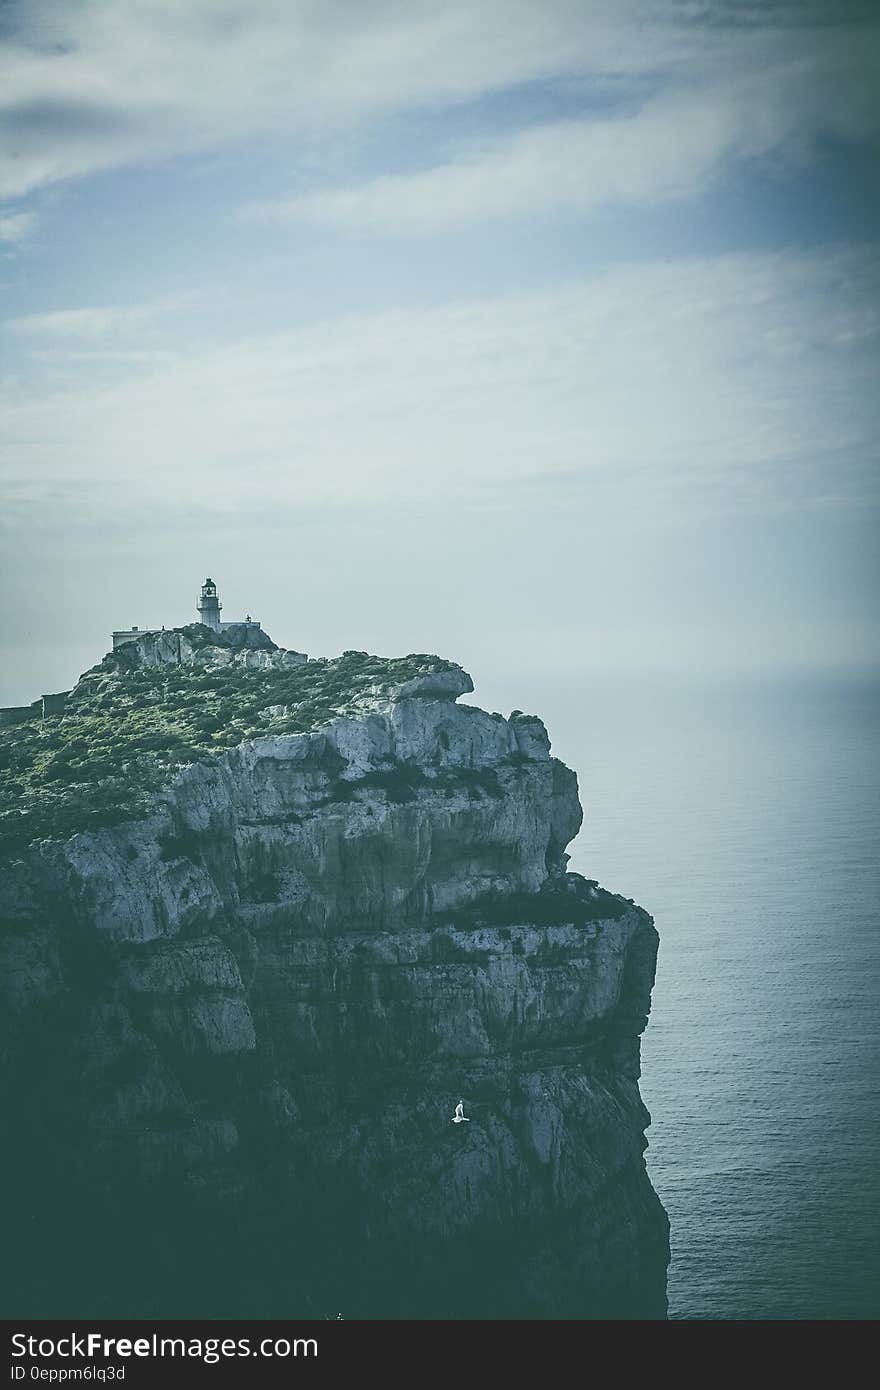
236 1030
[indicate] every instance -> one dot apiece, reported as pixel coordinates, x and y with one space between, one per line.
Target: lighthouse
209 605
208 612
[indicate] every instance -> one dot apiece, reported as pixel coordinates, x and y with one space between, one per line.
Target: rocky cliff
242 1001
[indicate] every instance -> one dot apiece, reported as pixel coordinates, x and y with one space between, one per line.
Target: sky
542 334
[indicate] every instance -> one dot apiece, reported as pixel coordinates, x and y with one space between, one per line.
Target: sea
744 814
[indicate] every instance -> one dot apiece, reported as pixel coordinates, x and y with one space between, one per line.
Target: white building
207 611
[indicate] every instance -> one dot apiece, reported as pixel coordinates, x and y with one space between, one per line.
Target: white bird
460 1117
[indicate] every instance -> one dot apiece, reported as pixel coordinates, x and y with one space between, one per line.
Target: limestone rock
440 685
235 1030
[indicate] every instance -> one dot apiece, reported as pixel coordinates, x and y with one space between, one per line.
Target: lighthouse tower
208 610
209 605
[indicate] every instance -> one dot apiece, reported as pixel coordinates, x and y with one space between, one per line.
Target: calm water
747 822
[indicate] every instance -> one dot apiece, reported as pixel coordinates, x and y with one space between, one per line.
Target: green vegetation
128 728
401 781
551 907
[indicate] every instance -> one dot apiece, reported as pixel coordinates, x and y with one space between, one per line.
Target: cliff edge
265 921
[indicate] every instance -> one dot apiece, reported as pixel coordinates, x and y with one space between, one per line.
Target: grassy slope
101 761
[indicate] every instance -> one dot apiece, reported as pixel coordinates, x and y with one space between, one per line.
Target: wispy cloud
93 322
669 148
99 84
741 381
17 226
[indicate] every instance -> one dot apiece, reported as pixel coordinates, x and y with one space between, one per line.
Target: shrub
185 846
127 730
266 888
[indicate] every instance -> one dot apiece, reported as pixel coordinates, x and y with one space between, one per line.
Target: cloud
76 323
94 321
105 83
665 388
17 226
669 148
